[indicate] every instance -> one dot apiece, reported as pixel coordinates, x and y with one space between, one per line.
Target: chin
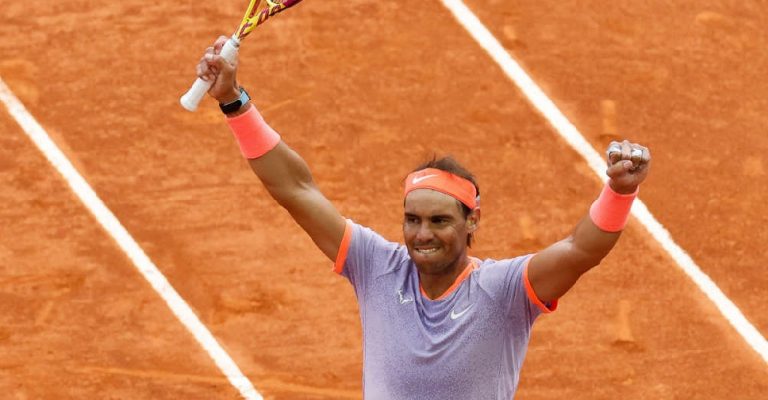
428 265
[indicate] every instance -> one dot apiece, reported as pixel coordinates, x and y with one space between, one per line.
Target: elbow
292 195
584 260
591 262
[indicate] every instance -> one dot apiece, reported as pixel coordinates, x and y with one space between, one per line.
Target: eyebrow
447 216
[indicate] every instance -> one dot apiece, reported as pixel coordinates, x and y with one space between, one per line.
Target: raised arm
282 171
554 270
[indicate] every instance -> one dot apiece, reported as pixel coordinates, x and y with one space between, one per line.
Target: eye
439 220
410 219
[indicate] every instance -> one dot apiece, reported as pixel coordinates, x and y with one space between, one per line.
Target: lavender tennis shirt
468 344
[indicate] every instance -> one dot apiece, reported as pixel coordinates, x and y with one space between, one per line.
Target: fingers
636 155
618 169
206 70
614 153
219 43
628 165
218 71
211 64
626 150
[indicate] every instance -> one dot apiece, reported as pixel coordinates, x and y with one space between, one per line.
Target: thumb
619 169
225 80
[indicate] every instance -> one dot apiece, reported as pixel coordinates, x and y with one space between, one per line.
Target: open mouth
426 251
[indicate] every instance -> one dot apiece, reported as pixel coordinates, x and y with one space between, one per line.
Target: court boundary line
566 130
127 244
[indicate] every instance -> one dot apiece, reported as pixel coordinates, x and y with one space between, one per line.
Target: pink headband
444 182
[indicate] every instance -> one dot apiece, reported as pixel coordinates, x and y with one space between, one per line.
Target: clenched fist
628 165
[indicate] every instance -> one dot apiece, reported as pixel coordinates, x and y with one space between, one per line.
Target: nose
424 234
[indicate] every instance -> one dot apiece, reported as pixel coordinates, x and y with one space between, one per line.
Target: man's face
435 231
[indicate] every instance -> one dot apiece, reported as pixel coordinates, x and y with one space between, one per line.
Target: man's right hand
214 68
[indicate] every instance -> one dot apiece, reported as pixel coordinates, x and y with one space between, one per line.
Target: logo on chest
458 314
403 298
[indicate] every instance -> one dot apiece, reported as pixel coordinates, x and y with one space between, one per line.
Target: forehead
431 202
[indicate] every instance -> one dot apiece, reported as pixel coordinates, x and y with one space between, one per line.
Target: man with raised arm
437 323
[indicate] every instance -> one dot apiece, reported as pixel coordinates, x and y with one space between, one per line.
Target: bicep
320 219
550 273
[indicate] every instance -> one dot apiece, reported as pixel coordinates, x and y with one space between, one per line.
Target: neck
435 284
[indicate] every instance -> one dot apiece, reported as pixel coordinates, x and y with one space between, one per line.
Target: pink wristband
610 211
253 134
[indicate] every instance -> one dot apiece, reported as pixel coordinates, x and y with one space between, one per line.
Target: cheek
408 233
449 236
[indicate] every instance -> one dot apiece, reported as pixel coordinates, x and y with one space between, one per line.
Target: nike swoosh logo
419 179
455 315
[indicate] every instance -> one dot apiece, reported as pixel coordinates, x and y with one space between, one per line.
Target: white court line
565 128
132 249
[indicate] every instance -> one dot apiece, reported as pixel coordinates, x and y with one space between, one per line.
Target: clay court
365 90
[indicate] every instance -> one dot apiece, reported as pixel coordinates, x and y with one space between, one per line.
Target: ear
473 220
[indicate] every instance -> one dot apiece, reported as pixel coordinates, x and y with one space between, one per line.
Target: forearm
589 245
553 271
284 174
599 230
281 169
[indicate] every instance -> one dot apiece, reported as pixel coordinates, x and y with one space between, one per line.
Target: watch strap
229 108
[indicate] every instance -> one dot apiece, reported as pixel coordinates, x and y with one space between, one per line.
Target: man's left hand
628 165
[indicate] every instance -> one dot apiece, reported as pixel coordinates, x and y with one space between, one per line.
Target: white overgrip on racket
192 98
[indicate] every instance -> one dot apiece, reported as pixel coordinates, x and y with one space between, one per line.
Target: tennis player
437 323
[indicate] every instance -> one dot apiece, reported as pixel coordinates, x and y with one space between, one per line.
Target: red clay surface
688 81
75 322
364 95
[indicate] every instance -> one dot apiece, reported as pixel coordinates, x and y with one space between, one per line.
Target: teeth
426 251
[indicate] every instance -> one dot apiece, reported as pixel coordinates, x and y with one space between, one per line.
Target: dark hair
448 164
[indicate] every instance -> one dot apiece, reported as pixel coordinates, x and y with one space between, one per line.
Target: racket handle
192 98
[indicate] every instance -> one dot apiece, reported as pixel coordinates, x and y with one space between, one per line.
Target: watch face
244 96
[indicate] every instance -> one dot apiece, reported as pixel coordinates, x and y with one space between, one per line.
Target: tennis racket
254 16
